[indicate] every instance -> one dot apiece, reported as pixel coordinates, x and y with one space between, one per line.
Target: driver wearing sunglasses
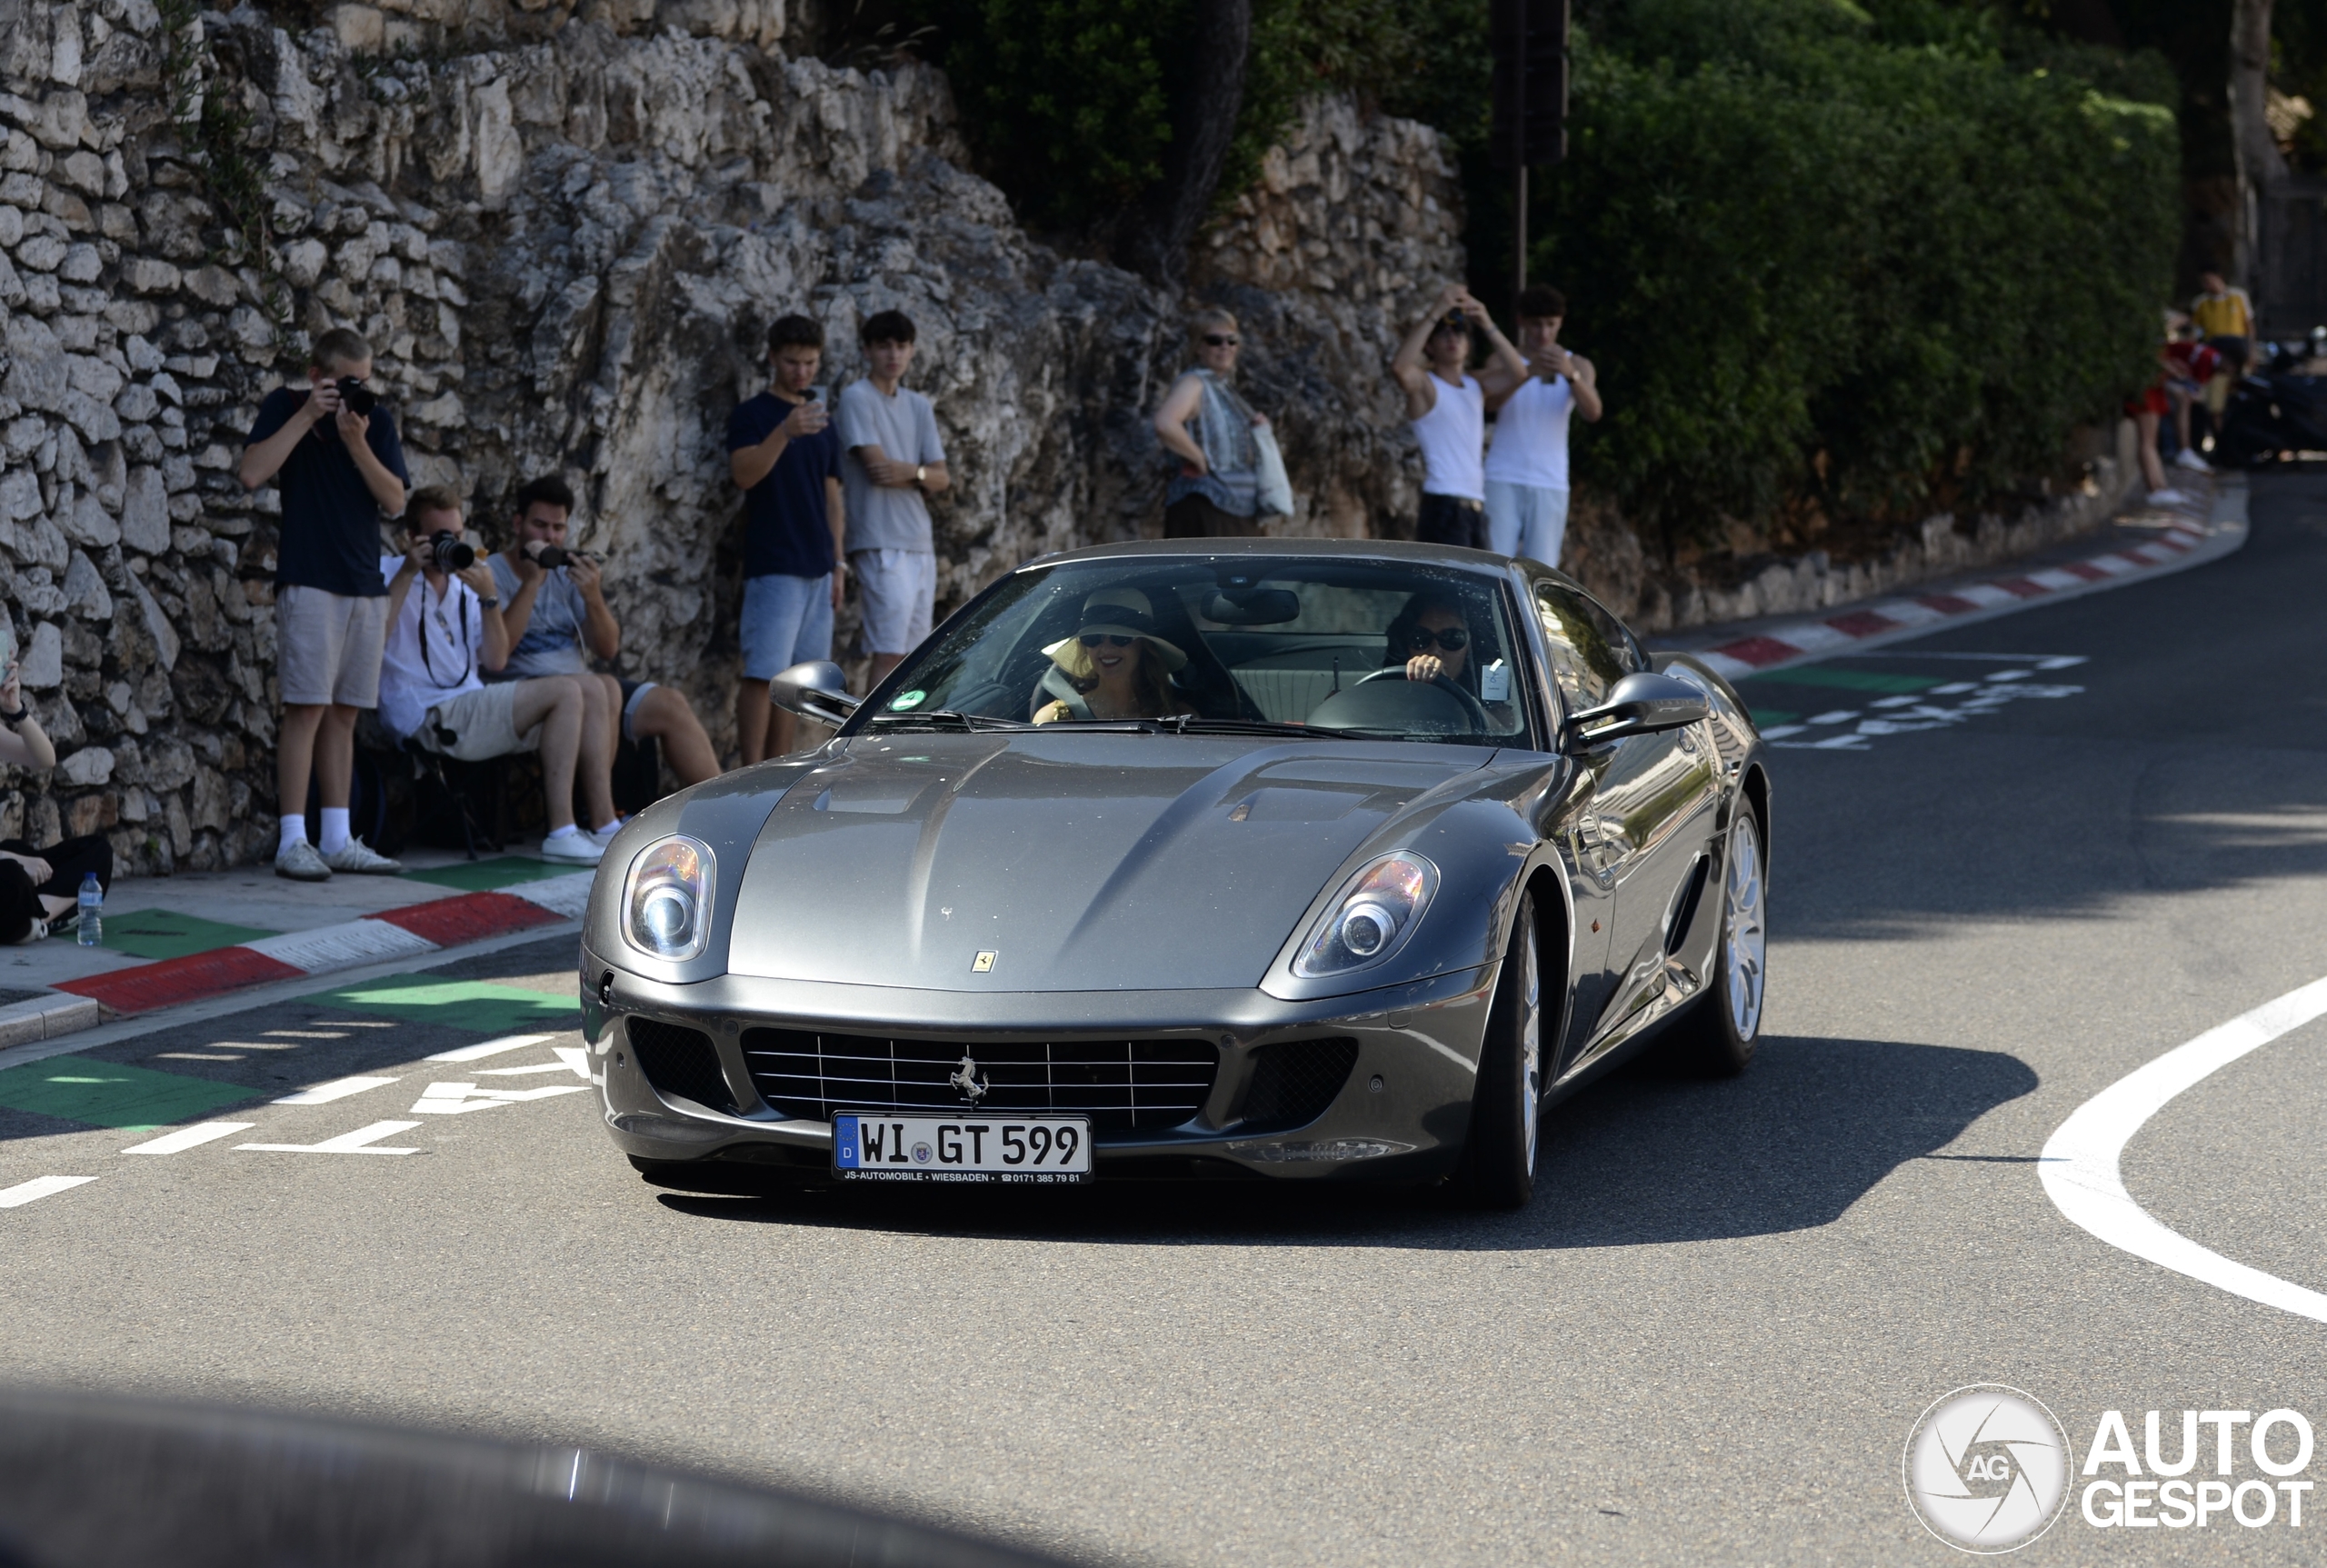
1433 640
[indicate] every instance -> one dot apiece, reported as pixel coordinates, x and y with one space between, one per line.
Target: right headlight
1376 912
667 902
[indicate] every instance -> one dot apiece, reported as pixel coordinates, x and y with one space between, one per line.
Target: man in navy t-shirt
339 471
785 457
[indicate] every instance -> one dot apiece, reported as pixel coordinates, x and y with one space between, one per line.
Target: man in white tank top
1526 468
1448 408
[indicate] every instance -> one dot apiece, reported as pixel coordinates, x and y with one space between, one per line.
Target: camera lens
550 557
450 553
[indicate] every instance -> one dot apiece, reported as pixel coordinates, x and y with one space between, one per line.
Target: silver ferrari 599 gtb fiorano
1218 858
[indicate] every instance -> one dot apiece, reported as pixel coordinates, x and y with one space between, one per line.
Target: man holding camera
332 451
1447 407
1526 468
554 605
445 625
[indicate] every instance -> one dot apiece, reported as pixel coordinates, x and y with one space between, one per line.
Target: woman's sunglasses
1220 340
1093 639
1453 639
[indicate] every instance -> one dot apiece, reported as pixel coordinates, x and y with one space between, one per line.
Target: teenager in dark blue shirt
786 456
339 472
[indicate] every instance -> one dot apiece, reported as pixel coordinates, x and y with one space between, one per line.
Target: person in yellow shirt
2226 315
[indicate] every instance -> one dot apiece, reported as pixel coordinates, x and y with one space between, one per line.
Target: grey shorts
327 646
477 725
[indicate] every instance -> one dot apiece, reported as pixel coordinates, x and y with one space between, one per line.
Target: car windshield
1373 649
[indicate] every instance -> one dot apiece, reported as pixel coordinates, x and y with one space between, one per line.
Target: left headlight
1376 912
667 902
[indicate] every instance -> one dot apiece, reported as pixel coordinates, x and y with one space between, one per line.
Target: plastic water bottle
93 903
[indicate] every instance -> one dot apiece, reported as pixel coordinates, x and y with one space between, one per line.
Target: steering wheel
1472 708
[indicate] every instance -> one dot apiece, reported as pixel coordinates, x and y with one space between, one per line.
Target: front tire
1718 1035
1498 1168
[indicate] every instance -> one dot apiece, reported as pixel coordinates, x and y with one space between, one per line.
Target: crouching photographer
554 605
446 625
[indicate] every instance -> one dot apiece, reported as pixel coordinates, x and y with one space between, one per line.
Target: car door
1581 673
1648 817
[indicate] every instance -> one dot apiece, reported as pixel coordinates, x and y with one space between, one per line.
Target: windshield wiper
1192 724
947 718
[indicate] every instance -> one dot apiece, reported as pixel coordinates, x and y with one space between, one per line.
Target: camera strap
437 612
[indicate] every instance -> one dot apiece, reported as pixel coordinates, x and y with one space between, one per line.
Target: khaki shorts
480 725
327 646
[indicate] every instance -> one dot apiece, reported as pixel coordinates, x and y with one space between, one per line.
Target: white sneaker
357 857
574 849
302 861
2188 458
602 836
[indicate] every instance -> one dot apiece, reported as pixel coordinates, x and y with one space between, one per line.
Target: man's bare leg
751 714
601 732
666 717
556 702
882 664
335 755
295 757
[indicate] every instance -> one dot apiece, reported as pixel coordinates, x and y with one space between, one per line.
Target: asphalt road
1707 1342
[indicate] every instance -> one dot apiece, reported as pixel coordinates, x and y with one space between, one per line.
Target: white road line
359 1141
23 1193
458 1099
192 1137
338 1089
2079 1168
484 1048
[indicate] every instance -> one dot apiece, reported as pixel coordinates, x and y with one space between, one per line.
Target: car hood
1064 861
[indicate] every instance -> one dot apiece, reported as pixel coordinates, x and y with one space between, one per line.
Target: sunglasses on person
1220 340
1093 640
1453 639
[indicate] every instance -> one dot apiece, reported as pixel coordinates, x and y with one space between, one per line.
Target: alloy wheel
1744 940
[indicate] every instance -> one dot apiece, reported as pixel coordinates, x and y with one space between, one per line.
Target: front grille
1123 1085
681 1060
1293 1083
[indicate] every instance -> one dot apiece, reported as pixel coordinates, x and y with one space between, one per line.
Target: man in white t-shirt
1526 468
894 459
1447 407
442 627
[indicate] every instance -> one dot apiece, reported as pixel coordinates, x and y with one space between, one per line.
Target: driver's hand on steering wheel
1425 667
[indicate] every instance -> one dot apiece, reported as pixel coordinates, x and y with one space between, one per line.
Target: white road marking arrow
453 1099
359 1141
484 1048
192 1137
571 1059
338 1089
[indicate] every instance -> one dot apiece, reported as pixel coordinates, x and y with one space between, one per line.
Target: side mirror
815 690
1641 704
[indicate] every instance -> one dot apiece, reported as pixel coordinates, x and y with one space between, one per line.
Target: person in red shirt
2190 364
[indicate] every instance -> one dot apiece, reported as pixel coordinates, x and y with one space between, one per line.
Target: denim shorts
787 621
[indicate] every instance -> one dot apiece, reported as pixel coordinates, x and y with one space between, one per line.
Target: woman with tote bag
1232 474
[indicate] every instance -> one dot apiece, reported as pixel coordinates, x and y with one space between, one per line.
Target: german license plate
1034 1150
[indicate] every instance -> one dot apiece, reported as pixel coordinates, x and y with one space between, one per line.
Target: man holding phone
784 455
1526 468
331 448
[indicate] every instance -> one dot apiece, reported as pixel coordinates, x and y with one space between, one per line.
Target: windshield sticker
908 700
1494 682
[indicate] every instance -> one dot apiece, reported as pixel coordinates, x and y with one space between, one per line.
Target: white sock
568 831
334 830
294 830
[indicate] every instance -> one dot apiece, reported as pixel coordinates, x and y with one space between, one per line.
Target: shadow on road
1638 1159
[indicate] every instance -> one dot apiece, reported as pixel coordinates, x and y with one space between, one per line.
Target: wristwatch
18 717
921 472
492 603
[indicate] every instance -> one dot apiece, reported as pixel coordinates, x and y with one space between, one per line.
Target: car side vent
681 1060
1293 1083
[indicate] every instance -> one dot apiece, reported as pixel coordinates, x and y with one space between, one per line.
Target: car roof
1455 555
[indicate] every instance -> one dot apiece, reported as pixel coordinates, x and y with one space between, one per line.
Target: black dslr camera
355 397
550 557
446 552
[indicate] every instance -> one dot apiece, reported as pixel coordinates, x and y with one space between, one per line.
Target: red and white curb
406 933
1889 620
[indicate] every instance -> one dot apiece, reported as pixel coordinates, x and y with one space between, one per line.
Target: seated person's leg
600 713
663 714
544 714
557 706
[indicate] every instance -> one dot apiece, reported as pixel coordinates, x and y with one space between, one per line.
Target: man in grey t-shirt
893 460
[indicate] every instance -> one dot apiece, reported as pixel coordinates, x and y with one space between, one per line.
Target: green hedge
1818 257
